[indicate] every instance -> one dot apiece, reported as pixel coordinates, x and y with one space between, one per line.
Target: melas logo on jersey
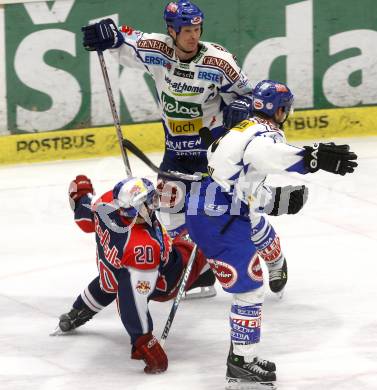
178 109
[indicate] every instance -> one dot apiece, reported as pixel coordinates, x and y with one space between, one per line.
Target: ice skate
256 375
72 320
278 279
203 287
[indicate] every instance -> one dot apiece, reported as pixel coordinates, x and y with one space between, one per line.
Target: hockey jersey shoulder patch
242 126
156 45
222 64
223 49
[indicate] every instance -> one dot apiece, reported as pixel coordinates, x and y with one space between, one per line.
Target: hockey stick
124 145
114 112
170 175
179 296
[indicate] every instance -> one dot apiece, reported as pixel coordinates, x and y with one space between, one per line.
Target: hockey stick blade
170 175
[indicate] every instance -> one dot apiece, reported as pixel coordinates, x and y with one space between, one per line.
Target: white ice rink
322 335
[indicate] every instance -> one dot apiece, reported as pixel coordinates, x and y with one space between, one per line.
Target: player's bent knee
251 297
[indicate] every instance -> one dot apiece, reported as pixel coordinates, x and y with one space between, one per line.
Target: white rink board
322 335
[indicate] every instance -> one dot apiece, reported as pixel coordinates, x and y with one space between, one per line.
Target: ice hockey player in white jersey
194 81
221 216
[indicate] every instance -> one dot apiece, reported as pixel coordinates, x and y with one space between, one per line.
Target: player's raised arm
80 196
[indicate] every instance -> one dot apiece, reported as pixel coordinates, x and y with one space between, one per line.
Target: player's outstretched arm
337 159
288 200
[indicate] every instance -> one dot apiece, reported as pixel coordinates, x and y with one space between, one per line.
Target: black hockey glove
236 112
102 35
289 200
330 157
206 136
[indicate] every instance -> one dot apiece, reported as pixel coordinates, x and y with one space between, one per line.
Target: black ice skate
256 375
73 319
204 286
278 278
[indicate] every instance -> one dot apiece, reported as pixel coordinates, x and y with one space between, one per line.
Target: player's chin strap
127 144
114 112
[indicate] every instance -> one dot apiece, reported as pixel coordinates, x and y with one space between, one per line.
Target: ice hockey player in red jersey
136 259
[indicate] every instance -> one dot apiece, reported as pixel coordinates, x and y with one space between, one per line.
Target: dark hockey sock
94 297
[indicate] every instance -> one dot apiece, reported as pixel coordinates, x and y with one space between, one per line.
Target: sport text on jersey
153 44
222 64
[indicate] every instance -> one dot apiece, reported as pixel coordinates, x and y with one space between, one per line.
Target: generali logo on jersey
153 44
222 64
178 109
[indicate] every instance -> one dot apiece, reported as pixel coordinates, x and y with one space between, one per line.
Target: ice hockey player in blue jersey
223 212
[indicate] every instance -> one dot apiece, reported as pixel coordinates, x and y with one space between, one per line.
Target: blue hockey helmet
132 193
182 13
269 95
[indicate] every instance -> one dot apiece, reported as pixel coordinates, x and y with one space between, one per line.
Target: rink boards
102 141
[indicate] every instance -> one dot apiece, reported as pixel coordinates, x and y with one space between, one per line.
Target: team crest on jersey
254 269
225 273
143 287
